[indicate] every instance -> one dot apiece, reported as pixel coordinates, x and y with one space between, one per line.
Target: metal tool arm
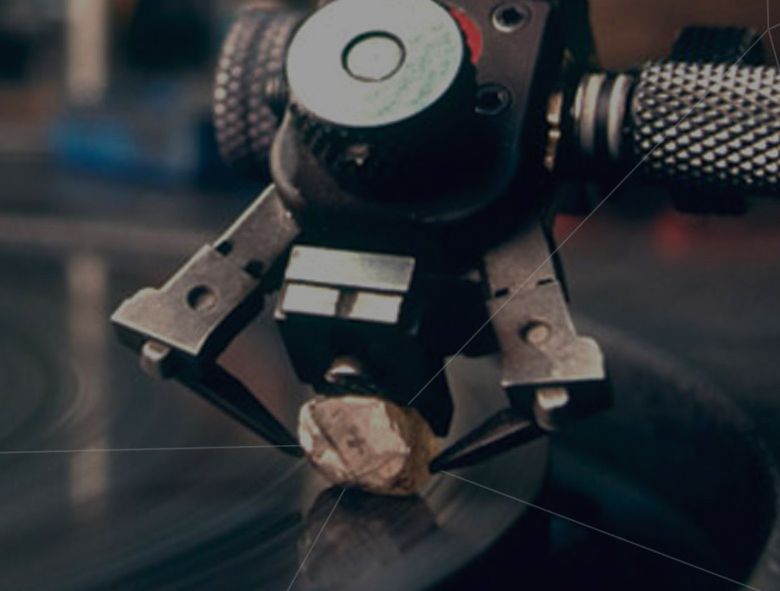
180 329
552 376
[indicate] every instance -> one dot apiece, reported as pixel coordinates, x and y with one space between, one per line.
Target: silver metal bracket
551 375
215 294
547 366
180 329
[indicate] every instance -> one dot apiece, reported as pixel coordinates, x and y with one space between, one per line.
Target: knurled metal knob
250 93
709 125
380 90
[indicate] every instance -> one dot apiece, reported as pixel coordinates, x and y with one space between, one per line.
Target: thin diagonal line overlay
31 452
324 525
769 30
603 532
584 221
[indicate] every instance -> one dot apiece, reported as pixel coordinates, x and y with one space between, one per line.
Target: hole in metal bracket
510 17
201 298
492 99
224 248
255 269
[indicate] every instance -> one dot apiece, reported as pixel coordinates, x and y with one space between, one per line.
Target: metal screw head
535 333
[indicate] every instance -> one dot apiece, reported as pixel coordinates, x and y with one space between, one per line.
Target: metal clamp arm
540 347
551 375
181 328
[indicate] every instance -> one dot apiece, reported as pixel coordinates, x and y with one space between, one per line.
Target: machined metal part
551 375
416 43
406 123
366 271
725 138
323 168
730 46
345 284
708 129
384 71
181 328
250 91
599 113
554 131
539 345
212 297
467 74
339 305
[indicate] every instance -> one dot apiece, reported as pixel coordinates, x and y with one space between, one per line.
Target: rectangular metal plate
344 268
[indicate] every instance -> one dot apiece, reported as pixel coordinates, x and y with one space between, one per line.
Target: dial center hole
374 56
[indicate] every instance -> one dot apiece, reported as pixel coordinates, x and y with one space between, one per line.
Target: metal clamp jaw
551 375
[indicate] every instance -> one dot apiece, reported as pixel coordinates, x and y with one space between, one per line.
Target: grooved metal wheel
250 93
